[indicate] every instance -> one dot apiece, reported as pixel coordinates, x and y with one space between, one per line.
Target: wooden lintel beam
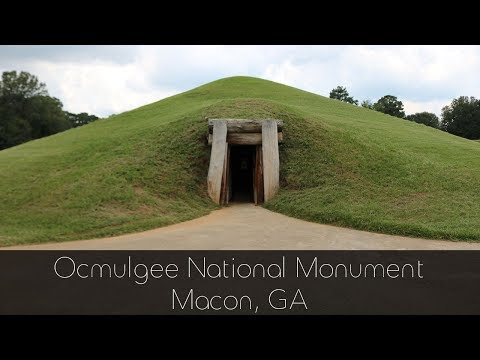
245 138
243 125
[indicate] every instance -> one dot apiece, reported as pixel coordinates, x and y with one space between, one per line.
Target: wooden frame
265 135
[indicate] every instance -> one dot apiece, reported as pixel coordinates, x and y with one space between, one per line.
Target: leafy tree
26 110
390 105
14 129
367 104
462 117
77 120
426 118
341 93
45 115
23 85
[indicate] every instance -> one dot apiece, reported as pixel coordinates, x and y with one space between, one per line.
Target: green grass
340 164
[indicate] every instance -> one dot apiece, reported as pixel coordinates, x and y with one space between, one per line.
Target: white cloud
433 106
100 87
104 80
285 73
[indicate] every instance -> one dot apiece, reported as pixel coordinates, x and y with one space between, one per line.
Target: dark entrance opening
242 164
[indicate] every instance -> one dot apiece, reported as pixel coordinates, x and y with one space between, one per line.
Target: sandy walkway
245 226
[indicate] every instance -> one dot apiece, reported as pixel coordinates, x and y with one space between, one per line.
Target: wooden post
225 183
258 175
254 178
229 176
217 159
271 160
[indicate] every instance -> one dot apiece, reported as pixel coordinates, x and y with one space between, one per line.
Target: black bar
240 282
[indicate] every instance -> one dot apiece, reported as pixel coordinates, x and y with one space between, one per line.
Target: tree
426 118
46 116
390 105
13 129
23 85
26 110
367 104
462 117
341 93
77 120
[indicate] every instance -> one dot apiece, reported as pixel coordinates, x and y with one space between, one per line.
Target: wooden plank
271 160
243 125
259 175
225 185
254 179
244 138
248 138
228 177
217 159
229 183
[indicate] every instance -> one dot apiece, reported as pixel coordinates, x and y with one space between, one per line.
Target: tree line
28 112
461 117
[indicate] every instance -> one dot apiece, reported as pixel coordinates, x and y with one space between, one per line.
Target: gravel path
249 227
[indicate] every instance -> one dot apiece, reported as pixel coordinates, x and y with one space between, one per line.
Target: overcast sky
103 80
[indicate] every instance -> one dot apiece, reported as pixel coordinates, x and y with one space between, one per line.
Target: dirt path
245 226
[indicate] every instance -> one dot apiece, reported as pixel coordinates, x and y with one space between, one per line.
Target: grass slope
340 164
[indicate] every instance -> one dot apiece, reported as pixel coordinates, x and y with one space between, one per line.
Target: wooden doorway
244 160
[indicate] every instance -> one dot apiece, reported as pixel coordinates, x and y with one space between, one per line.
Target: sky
105 80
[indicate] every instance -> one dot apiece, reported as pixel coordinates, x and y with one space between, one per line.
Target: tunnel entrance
242 163
244 160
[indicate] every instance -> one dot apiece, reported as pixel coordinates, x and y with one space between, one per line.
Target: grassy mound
145 168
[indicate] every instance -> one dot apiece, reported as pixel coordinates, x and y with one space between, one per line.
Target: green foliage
147 167
425 118
341 93
45 116
27 112
390 105
462 117
24 119
367 104
81 119
23 85
14 129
